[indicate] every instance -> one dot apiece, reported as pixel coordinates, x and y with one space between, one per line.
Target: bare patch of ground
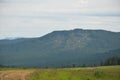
15 74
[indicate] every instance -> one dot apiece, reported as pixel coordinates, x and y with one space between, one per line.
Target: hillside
61 48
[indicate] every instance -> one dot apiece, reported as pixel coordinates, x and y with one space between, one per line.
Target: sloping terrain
61 48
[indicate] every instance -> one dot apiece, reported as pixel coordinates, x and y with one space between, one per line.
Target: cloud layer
34 18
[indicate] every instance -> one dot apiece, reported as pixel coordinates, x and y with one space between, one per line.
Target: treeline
108 62
111 61
6 66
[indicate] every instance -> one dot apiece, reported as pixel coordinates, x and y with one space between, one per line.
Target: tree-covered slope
62 48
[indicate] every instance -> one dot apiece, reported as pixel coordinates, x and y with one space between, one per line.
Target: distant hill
59 48
12 41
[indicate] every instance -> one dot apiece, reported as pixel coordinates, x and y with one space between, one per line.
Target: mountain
11 41
59 48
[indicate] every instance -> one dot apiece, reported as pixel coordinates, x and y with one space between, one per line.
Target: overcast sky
35 18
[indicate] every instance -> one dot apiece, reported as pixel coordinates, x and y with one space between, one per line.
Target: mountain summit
58 48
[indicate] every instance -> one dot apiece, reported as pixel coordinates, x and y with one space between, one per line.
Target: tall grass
98 73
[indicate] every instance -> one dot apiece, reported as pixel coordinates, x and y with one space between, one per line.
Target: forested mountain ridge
58 48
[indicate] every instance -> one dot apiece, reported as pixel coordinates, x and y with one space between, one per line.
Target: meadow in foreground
97 73
89 73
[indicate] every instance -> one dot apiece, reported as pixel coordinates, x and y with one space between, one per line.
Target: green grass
97 73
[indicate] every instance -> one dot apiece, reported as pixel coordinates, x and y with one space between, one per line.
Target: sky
35 18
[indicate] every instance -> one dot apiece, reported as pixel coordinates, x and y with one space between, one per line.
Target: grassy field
89 73
97 73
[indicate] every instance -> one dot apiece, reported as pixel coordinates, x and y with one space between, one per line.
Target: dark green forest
73 48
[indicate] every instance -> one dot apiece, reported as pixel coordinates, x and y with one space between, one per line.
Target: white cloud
28 18
61 6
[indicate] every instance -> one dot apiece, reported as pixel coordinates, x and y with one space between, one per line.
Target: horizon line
13 38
